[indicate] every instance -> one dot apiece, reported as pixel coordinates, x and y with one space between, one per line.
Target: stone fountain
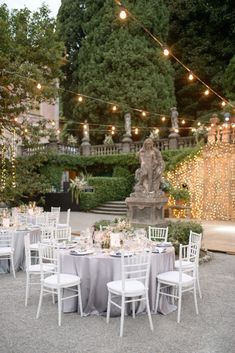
146 204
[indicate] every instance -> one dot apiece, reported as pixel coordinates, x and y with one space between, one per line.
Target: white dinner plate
117 254
165 244
81 253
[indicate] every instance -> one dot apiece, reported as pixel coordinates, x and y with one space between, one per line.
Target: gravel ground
212 331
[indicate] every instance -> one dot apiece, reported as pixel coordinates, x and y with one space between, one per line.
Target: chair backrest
55 209
136 267
27 251
68 217
40 219
188 253
52 218
49 254
155 233
62 234
195 237
47 233
6 239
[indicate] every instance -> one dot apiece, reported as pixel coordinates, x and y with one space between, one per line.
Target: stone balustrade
101 150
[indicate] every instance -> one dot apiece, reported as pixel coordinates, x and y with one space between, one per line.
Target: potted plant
180 195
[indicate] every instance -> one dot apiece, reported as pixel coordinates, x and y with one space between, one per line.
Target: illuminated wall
210 177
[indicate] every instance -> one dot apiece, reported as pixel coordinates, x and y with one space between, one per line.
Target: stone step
111 207
111 212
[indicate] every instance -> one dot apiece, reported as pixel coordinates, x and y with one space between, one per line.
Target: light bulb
206 92
113 128
163 118
190 77
199 124
80 99
143 113
223 104
136 131
123 14
183 122
114 108
166 52
39 86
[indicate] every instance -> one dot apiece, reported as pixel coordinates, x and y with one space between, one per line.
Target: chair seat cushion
36 268
172 277
7 250
132 287
66 280
185 264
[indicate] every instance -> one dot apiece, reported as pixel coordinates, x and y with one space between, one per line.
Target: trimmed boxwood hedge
105 189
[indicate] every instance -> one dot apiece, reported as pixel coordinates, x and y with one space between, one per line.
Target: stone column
85 145
226 133
127 140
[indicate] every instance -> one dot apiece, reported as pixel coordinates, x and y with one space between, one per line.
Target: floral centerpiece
76 186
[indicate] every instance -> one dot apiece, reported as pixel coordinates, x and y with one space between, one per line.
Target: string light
53 123
114 108
143 113
136 131
190 77
39 86
207 92
26 130
156 131
166 52
58 131
163 118
122 13
80 99
183 122
113 128
223 104
199 124
176 131
15 119
112 132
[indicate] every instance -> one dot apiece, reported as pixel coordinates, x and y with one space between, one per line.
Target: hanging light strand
169 53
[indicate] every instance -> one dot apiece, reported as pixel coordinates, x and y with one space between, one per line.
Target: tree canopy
30 53
202 36
117 62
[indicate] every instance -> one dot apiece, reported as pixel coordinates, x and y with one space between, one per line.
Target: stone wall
210 177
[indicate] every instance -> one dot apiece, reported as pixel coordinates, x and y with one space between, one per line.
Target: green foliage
105 189
178 232
173 158
180 194
29 48
202 36
116 61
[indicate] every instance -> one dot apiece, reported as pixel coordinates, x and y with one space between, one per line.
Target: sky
33 4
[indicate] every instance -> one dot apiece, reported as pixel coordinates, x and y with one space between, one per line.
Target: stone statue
86 131
174 118
127 117
149 174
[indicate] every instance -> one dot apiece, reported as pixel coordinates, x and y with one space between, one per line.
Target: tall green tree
202 36
30 52
118 62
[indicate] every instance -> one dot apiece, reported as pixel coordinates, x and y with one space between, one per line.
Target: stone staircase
112 208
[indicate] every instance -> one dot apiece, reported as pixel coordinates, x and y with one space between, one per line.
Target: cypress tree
118 62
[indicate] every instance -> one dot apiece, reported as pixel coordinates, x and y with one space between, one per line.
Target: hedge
105 189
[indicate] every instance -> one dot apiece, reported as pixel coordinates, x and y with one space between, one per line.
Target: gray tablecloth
18 242
97 270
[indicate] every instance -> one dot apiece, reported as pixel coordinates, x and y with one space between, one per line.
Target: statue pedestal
146 210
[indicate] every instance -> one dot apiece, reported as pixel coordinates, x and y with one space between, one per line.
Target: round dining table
18 244
97 269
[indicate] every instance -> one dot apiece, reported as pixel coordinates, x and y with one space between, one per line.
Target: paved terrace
217 236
